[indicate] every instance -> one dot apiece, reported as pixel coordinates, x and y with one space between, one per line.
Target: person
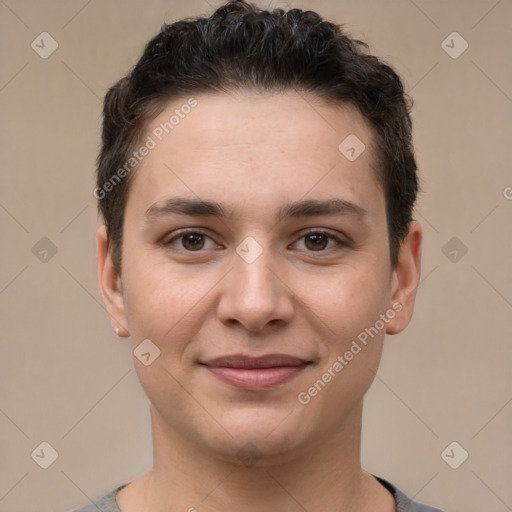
256 183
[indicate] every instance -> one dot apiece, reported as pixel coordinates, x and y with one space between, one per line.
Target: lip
256 373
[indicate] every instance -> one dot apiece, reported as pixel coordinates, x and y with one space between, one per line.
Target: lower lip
256 379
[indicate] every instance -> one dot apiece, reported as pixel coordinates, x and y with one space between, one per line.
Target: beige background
67 380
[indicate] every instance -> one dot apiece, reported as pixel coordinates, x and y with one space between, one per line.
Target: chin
259 437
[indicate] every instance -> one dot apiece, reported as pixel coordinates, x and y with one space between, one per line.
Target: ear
405 279
110 284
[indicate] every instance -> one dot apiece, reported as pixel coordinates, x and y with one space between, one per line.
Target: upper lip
247 362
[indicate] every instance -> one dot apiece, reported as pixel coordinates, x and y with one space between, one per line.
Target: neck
325 475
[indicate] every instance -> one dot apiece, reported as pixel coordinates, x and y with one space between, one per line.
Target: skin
253 154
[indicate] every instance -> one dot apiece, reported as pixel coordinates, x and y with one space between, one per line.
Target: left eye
194 241
317 241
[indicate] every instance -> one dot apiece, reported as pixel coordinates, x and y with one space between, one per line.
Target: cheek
346 302
162 305
349 308
158 299
352 340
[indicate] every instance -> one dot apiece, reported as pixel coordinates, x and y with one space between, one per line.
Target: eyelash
185 232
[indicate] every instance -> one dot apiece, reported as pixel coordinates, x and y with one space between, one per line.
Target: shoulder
403 502
106 503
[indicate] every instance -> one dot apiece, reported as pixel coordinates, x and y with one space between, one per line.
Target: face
268 306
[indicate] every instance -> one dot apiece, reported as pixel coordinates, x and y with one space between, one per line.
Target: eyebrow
307 208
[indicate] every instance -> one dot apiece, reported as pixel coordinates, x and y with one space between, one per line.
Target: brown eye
193 241
190 241
316 241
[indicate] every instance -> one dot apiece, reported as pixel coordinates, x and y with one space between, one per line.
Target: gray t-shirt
108 503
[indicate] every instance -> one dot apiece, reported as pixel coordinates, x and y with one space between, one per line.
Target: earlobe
405 279
110 284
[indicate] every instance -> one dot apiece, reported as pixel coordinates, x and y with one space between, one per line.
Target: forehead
268 143
255 118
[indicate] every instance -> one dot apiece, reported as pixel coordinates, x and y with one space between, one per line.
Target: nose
255 295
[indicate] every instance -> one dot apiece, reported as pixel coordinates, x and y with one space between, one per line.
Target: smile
256 373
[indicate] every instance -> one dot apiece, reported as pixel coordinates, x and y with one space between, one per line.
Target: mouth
256 373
